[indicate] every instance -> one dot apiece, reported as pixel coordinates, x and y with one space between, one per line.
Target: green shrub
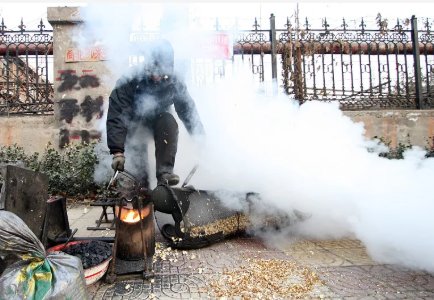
70 171
15 153
430 148
398 151
394 153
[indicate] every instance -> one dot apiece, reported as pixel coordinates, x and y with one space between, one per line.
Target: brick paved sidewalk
343 268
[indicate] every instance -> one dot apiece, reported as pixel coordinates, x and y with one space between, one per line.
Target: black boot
168 178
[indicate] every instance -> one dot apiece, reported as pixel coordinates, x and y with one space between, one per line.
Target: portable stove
134 244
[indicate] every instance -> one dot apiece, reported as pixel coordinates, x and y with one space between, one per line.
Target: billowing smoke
314 160
310 159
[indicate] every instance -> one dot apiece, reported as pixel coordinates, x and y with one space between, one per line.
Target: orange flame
129 215
132 216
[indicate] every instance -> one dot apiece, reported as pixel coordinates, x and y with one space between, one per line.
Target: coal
90 253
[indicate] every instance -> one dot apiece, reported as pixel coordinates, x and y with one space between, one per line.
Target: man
146 98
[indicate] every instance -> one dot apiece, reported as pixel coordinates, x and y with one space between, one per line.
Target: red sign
217 46
85 54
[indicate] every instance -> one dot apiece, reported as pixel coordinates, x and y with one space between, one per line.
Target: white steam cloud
309 158
313 159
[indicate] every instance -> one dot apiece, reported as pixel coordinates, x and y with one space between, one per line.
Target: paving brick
344 267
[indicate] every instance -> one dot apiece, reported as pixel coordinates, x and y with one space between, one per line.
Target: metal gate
25 59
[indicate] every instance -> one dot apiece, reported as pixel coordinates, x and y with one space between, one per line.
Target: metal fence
25 58
360 68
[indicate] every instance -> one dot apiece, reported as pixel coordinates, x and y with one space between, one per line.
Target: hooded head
161 58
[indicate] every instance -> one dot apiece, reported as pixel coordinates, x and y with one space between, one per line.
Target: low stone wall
414 126
406 126
30 132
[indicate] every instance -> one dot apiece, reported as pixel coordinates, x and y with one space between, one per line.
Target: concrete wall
30 132
80 95
406 126
414 126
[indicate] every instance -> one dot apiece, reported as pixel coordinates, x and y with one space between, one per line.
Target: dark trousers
165 130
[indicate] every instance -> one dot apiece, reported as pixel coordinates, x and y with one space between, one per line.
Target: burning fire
132 215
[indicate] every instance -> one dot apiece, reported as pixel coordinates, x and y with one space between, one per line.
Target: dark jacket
141 100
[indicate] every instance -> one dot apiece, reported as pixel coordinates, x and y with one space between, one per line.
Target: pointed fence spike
2 26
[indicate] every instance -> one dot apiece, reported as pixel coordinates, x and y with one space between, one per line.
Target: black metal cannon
200 217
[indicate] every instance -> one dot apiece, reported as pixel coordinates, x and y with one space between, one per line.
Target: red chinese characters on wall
85 54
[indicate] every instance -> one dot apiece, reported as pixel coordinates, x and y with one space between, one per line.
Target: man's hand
118 162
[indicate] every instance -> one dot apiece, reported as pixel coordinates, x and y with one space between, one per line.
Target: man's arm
119 114
186 110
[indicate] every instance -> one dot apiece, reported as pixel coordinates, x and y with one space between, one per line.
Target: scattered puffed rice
227 226
265 279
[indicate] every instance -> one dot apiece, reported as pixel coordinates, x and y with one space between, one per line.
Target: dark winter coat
141 100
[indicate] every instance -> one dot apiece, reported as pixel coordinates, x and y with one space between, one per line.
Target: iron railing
25 58
256 44
359 68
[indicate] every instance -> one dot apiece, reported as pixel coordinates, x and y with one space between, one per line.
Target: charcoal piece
90 253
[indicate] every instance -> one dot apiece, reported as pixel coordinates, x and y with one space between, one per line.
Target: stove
134 242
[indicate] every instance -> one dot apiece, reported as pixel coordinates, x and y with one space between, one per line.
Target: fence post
416 58
273 52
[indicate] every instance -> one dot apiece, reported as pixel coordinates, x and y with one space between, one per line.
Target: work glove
118 162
